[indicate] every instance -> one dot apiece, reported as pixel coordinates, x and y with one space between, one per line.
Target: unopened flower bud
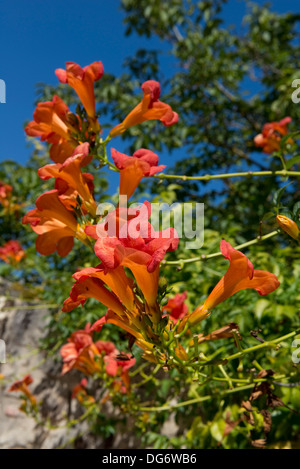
288 225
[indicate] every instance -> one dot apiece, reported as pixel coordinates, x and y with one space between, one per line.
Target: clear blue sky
38 36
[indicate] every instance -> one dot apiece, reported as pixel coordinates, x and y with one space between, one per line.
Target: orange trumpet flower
116 280
22 385
89 287
51 124
127 325
114 290
81 353
148 109
50 121
70 179
82 81
138 247
142 163
239 276
176 307
55 225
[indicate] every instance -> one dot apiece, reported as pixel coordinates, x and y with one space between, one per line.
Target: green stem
138 370
150 377
105 158
204 257
266 344
210 177
193 401
282 161
226 376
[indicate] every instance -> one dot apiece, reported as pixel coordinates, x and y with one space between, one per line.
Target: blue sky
38 36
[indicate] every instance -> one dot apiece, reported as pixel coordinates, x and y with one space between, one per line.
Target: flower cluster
12 252
272 133
7 200
96 359
54 123
55 219
5 193
129 250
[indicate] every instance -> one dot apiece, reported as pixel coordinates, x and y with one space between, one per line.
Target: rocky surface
22 325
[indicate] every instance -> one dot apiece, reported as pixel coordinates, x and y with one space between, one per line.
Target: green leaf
278 194
292 161
296 209
291 135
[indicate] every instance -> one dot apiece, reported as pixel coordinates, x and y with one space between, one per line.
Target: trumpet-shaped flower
126 324
81 353
114 290
55 225
61 151
272 134
176 307
148 109
70 179
52 125
142 163
239 276
116 280
22 386
82 81
138 247
131 243
90 287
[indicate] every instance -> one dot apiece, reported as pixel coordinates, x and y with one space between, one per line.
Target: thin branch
204 257
210 177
